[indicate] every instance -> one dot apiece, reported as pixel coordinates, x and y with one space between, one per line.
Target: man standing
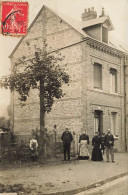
109 143
67 139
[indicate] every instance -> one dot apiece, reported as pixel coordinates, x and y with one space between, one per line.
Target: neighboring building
95 98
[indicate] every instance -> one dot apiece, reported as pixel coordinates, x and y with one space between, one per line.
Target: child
33 147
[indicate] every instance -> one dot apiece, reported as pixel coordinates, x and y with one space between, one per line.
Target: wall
126 91
66 111
94 99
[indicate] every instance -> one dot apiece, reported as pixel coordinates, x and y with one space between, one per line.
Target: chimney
103 14
89 14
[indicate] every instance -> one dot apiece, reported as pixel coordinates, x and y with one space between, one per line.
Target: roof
118 44
71 22
78 26
75 24
96 21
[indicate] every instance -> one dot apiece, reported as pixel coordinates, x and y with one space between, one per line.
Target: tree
42 72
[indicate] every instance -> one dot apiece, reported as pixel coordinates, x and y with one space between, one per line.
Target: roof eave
123 52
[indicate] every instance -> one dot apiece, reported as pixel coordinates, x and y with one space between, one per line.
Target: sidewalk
64 177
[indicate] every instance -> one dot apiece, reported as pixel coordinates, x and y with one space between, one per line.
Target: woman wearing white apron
84 143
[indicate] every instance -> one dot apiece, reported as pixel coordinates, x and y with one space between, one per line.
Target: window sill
98 89
107 93
114 93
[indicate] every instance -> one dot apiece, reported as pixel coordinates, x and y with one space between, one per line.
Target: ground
117 187
58 176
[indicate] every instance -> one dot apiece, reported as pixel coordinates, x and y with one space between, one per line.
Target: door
98 121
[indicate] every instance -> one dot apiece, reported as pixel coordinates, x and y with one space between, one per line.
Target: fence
7 145
17 146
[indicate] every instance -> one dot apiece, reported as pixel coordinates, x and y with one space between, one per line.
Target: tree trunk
42 155
42 106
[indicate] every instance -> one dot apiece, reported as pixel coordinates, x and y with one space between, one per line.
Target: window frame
103 39
113 73
94 78
114 115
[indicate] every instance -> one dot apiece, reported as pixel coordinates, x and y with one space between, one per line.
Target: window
98 121
104 34
113 80
97 76
114 123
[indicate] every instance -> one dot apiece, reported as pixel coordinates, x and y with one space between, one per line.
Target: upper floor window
104 34
97 76
113 80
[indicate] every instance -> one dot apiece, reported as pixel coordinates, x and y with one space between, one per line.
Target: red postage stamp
14 18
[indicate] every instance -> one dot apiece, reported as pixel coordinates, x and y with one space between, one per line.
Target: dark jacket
84 137
109 140
66 137
102 142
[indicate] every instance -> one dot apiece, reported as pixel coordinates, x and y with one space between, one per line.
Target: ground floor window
98 121
114 123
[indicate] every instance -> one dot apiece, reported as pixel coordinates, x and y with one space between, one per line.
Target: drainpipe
125 103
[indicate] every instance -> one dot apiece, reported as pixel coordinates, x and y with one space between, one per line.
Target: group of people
99 144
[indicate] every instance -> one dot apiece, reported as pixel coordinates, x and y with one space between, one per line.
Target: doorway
98 121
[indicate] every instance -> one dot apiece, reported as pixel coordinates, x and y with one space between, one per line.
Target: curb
75 191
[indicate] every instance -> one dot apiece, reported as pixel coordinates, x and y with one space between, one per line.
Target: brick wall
94 99
65 112
126 74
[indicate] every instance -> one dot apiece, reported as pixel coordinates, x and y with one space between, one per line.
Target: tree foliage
41 72
43 69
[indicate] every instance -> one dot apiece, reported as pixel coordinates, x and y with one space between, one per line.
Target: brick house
95 98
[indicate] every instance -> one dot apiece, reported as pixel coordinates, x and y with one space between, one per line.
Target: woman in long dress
84 143
96 152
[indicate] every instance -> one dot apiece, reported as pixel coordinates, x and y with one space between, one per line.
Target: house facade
95 98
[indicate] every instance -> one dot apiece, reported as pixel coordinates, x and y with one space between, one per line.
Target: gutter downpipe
125 103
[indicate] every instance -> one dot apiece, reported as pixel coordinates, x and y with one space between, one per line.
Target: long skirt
96 154
34 154
84 153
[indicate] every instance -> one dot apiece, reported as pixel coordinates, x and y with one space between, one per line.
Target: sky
116 9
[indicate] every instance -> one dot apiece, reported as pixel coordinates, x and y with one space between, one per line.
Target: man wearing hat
109 143
67 139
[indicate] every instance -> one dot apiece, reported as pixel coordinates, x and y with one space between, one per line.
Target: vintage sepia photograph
64 97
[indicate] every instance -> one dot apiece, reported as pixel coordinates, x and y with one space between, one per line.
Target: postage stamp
14 18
